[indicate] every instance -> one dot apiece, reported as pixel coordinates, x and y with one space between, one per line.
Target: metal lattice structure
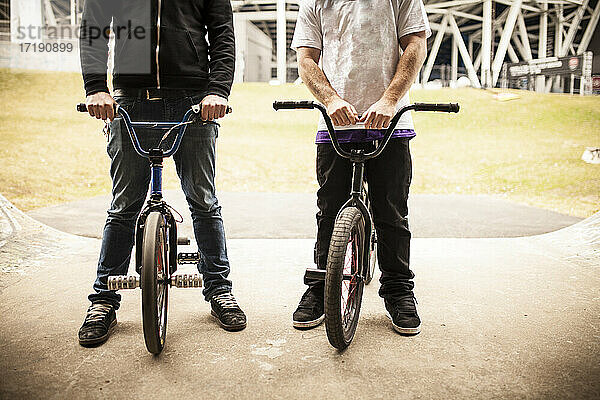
479 34
4 20
277 19
53 13
487 33
474 38
61 12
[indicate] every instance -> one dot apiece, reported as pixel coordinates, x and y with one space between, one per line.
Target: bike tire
345 256
154 284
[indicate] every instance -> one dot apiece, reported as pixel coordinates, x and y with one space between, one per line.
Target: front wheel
154 277
343 282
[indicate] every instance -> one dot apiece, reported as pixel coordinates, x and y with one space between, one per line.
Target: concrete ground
502 318
292 216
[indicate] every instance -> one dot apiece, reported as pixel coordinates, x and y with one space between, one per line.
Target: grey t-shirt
359 43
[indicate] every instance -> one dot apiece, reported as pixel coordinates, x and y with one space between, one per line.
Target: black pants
389 177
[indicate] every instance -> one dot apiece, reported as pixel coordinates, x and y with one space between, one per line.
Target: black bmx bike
156 257
353 247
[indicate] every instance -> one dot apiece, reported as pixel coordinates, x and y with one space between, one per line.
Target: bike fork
358 171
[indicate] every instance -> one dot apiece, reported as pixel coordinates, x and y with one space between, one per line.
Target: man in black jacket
163 64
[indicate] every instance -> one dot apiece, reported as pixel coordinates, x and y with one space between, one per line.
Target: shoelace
97 312
308 299
307 296
226 300
406 305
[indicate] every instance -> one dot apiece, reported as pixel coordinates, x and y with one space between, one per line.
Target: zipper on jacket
158 44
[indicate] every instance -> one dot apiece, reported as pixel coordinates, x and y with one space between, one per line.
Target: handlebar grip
291 105
446 107
81 107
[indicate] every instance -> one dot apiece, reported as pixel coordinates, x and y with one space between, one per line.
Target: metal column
511 19
564 50
73 12
486 44
558 41
589 31
464 53
281 42
454 62
434 50
540 84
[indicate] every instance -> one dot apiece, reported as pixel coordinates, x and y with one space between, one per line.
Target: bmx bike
353 247
156 257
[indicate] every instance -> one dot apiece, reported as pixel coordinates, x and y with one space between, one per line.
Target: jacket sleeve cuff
95 87
219 91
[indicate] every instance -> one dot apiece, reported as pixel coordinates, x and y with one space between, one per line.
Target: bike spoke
349 288
161 283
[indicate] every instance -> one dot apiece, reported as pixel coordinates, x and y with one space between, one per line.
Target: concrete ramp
292 216
502 318
579 243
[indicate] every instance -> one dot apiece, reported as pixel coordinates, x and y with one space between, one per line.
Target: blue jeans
130 173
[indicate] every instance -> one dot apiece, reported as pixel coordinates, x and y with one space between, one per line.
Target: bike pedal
120 282
183 241
186 281
188 258
314 274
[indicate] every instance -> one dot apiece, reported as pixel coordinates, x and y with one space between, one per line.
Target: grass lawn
527 150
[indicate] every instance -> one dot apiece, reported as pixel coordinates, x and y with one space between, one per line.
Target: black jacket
186 60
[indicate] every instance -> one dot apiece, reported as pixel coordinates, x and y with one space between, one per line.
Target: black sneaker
98 324
310 312
226 310
404 316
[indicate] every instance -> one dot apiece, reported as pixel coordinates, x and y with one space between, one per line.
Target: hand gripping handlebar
292 105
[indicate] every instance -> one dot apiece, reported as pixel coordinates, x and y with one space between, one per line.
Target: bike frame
156 233
359 157
355 200
156 157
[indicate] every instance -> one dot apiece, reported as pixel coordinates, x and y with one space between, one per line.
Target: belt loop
147 94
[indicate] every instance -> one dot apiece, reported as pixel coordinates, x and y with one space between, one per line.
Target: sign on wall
522 74
550 66
596 84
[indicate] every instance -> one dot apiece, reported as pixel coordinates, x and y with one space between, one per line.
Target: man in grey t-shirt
361 72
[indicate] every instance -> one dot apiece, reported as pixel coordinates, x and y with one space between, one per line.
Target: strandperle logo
127 31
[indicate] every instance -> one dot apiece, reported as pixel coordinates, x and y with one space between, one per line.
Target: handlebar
192 113
445 107
81 107
291 105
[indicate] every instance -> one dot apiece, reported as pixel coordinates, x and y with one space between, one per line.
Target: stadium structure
542 45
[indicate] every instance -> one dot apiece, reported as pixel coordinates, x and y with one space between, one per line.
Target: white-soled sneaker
225 309
310 312
403 313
